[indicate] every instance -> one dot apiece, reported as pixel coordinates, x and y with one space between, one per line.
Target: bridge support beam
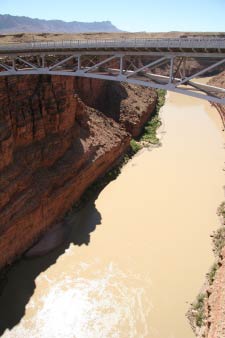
201 72
149 66
25 62
78 62
171 69
124 66
62 62
101 63
5 67
121 65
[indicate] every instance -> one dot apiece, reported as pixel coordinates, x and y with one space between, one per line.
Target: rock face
127 104
214 307
53 146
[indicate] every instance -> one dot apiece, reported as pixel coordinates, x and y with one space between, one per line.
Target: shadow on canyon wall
20 284
108 102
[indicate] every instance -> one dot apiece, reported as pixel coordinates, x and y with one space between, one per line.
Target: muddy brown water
148 256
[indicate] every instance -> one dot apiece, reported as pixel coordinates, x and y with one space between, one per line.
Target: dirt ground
31 37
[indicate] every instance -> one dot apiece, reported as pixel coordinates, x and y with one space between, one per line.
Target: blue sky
138 15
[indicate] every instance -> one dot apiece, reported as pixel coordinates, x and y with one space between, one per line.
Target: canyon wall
213 315
54 142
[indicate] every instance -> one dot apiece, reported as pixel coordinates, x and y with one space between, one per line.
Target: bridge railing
184 43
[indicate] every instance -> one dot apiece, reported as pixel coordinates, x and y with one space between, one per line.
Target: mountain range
23 24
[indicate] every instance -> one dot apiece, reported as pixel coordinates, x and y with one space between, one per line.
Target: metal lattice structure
136 61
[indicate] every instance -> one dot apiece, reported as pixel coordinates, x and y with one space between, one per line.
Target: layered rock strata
53 146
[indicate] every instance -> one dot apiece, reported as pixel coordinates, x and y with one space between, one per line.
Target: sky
128 15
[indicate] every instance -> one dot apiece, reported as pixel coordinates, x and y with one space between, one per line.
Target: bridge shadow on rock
20 284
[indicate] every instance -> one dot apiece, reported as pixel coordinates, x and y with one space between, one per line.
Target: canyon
54 143
57 136
126 266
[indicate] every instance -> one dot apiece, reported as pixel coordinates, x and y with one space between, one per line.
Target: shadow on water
21 277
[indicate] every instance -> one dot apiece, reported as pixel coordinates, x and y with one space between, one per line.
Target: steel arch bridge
135 61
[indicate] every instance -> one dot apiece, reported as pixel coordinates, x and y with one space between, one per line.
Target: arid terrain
30 37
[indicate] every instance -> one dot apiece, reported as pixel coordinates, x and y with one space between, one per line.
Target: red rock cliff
53 146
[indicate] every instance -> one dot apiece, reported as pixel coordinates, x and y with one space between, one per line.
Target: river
144 244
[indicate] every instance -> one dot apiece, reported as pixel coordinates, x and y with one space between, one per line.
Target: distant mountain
23 24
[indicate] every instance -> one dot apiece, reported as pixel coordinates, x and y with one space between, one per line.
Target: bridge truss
163 64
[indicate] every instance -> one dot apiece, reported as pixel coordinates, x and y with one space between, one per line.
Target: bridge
156 63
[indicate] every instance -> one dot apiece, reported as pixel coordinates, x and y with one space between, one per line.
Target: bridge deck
191 45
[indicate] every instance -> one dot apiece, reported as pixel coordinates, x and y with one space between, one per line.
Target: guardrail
203 43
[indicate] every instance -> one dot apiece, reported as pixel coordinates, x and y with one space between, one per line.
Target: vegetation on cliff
219 234
150 131
149 135
212 273
198 314
218 244
198 310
